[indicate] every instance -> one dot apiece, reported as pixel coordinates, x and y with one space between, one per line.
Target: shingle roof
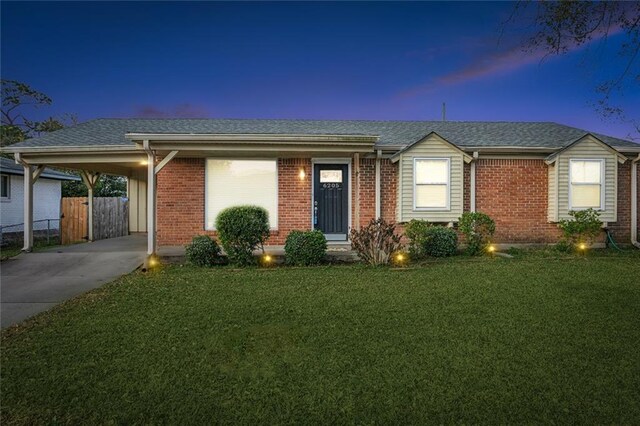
9 166
395 133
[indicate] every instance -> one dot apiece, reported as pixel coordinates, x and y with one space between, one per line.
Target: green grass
12 251
529 339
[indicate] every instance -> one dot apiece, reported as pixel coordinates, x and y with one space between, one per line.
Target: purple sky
293 60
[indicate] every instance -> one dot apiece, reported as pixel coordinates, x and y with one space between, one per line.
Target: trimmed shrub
416 232
440 241
376 242
241 230
305 247
584 228
203 251
478 228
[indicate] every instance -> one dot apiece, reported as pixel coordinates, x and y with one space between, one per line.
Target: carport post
28 208
90 180
151 200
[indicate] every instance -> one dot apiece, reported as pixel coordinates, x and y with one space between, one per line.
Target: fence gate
110 218
73 222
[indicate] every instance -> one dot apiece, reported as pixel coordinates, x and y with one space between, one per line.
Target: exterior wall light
144 163
302 174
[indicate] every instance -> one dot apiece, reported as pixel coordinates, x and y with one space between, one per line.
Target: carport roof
396 134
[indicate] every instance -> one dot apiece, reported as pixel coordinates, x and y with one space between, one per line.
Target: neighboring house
337 175
47 195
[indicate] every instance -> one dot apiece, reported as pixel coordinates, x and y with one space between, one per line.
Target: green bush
241 230
305 247
416 233
440 241
584 228
478 228
203 251
376 242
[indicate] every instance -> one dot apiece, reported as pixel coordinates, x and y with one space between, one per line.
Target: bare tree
558 27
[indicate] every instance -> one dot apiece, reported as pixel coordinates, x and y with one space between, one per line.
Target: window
431 183
5 187
241 182
586 189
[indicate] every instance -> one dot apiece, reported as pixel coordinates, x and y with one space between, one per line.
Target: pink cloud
496 63
184 110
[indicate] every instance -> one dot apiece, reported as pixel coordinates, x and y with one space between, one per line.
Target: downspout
634 202
472 182
378 185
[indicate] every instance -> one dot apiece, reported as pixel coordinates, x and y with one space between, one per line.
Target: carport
91 162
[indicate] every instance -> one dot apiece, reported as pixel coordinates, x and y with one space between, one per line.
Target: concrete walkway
34 282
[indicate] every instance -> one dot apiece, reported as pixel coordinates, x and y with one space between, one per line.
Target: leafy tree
557 27
14 125
107 186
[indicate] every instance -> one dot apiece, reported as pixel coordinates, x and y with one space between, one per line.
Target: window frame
447 206
206 188
8 196
602 162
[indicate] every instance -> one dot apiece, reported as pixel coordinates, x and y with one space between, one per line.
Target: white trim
206 189
602 162
344 160
447 207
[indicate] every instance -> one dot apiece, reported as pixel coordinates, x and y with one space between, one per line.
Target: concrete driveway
34 282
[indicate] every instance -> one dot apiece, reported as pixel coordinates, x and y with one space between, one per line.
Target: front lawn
491 341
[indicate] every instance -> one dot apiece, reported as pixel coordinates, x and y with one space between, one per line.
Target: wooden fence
110 218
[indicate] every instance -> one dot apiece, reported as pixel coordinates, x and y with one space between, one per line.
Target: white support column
151 200
378 196
90 180
472 183
28 208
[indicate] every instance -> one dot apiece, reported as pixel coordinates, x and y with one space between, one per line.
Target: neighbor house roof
392 134
9 166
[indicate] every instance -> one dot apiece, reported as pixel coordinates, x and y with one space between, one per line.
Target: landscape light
267 258
582 246
491 248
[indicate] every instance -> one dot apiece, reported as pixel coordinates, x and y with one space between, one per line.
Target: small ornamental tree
583 228
376 242
478 228
242 230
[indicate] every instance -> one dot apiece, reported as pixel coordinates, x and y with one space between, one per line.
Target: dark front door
331 200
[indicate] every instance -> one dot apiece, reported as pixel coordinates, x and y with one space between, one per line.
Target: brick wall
621 229
514 193
181 200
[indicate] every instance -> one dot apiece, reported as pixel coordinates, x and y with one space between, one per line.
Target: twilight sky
293 60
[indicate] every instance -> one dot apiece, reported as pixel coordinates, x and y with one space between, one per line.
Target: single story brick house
337 175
